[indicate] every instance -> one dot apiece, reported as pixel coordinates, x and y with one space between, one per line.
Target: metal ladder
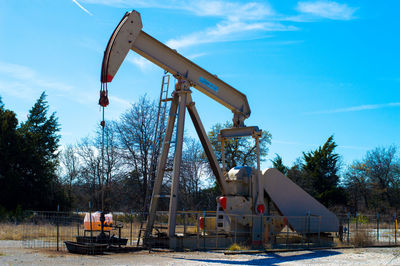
157 141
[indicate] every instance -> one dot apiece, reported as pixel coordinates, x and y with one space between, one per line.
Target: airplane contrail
81 7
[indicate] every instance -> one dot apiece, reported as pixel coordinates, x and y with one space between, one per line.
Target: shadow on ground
270 259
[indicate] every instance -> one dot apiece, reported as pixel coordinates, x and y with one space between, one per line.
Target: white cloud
81 7
142 63
327 9
216 8
238 20
358 108
122 104
229 31
19 81
194 56
230 10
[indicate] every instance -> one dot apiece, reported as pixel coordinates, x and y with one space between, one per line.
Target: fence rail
49 230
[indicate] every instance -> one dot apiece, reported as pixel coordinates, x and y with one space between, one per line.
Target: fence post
198 230
204 231
90 220
308 228
319 230
395 229
348 227
236 218
377 227
184 223
356 222
287 232
77 224
130 234
216 232
58 228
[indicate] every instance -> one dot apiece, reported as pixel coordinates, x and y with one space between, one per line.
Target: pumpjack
246 191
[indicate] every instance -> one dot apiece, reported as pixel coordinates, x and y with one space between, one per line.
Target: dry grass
362 239
11 232
237 247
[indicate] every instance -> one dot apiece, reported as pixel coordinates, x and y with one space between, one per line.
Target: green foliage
10 158
277 163
360 219
28 159
317 173
238 151
320 168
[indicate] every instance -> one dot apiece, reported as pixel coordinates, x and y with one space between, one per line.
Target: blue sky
310 69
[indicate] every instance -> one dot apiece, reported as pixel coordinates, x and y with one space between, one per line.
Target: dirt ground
12 253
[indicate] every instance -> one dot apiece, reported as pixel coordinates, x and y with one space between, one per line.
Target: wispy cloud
216 8
229 31
142 63
327 9
357 108
23 82
20 80
124 104
194 56
81 7
238 21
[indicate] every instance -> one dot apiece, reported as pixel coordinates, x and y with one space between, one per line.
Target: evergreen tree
320 168
9 158
40 144
277 163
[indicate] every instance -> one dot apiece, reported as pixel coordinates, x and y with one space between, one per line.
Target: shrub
237 247
362 239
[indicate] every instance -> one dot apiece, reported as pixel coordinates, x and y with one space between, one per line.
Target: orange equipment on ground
96 224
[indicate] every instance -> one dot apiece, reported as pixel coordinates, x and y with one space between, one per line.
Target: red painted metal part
201 222
222 202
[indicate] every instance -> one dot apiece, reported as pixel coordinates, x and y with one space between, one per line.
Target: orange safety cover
96 224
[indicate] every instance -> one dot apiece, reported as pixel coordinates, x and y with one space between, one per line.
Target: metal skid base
209 242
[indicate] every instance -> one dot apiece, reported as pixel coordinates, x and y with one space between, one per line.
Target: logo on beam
208 84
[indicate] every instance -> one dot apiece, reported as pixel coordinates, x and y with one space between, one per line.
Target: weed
237 247
362 239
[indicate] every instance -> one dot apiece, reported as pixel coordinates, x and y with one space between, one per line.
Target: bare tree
111 160
135 132
376 179
90 173
70 162
193 169
357 184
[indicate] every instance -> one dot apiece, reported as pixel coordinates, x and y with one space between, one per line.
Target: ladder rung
168 169
166 100
162 196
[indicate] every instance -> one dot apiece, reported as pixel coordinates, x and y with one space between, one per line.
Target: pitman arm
129 35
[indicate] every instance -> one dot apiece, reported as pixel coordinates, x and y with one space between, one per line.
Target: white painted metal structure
290 199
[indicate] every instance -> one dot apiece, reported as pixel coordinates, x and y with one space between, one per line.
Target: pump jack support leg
173 202
161 165
206 145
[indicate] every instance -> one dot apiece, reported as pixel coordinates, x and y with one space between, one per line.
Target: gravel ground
12 253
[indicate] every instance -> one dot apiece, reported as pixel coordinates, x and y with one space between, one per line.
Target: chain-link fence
211 230
360 229
51 229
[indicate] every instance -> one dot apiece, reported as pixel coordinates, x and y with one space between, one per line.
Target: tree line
36 173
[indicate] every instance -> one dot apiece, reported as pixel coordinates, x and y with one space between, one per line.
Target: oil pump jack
245 190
